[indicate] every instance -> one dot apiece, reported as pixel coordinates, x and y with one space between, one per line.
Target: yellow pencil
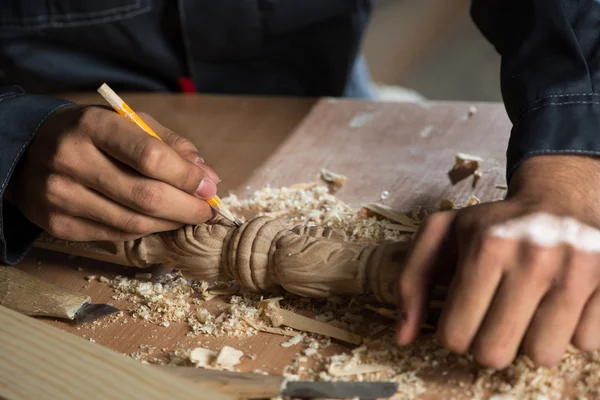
122 108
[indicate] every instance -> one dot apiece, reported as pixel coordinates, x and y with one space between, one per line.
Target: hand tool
123 109
32 296
256 386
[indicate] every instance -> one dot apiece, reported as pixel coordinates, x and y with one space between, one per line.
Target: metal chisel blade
90 312
340 390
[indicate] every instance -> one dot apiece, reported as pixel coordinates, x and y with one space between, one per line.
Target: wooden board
405 149
38 361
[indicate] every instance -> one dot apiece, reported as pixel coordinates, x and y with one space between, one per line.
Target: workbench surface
403 148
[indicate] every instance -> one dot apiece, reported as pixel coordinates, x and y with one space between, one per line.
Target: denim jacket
550 64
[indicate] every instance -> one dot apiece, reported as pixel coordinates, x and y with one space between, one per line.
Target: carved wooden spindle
262 255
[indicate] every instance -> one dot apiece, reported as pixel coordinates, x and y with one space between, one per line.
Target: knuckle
54 184
181 143
537 265
150 156
54 191
493 357
57 226
137 224
192 178
59 159
148 197
92 117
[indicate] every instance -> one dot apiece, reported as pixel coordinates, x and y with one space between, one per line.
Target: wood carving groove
262 255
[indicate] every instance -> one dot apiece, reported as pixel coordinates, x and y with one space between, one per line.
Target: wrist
562 181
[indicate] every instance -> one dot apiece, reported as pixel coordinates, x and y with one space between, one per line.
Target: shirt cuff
21 116
556 124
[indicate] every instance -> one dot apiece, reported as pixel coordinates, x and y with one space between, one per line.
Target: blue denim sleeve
21 115
550 75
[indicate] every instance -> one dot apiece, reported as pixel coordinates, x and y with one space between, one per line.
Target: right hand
90 174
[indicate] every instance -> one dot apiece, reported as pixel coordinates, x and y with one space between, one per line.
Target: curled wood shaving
392 215
465 165
468 159
334 181
280 317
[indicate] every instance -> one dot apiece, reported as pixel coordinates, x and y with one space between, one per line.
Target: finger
556 319
587 334
152 158
479 271
74 228
514 305
415 279
71 198
147 196
184 147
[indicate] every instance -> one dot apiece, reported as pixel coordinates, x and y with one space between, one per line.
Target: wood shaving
465 165
472 201
447 204
279 317
293 341
227 358
477 176
311 204
472 111
202 357
334 181
392 215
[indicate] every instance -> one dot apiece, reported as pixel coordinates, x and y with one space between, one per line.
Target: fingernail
199 161
206 189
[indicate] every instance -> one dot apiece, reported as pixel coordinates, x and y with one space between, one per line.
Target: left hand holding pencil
90 174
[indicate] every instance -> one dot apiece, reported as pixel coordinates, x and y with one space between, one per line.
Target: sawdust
174 298
312 204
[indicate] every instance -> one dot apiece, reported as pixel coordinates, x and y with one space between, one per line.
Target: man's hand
90 174
523 271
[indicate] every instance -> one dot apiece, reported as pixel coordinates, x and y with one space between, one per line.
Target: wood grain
38 361
30 295
236 384
405 149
